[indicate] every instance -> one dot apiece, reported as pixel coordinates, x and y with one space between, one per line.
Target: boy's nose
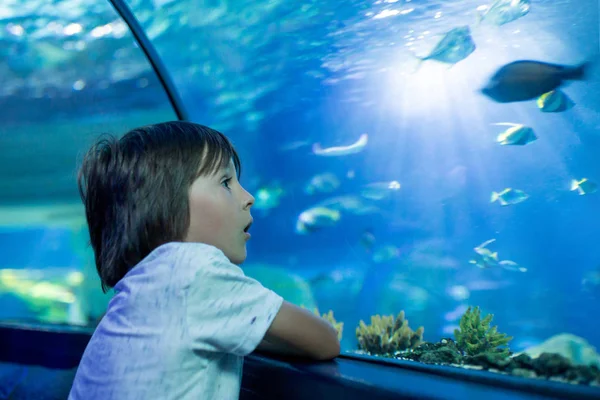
248 200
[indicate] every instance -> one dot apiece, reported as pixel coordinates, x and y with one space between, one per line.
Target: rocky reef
551 366
476 345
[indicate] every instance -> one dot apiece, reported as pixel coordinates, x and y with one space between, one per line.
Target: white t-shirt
177 328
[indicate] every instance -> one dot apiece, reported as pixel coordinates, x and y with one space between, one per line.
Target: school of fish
518 81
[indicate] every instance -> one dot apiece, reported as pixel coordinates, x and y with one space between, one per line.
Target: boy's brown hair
135 189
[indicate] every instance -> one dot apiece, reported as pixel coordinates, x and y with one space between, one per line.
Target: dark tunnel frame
153 58
349 376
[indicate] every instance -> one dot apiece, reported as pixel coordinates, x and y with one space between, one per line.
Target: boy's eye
226 182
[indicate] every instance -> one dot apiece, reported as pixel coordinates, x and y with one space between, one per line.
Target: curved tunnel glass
68 73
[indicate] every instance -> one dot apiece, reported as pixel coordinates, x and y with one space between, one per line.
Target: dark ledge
265 377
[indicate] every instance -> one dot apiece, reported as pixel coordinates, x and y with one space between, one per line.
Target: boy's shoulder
193 248
177 262
187 253
186 247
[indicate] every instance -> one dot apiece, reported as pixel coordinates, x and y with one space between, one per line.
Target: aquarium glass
386 178
398 220
69 71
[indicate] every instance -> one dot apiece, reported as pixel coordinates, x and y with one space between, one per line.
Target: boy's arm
228 312
296 331
280 349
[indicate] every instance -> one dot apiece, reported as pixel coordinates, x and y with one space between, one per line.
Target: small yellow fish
516 135
555 101
584 186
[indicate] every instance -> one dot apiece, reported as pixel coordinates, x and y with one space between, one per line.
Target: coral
387 336
475 336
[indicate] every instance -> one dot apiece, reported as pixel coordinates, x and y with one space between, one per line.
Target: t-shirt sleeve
226 311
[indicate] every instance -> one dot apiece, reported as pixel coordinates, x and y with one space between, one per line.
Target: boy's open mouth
248 226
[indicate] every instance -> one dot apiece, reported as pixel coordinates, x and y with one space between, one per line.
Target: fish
458 293
322 183
483 251
351 204
337 151
591 281
316 218
504 11
509 196
294 145
485 262
268 197
486 259
386 253
584 186
554 101
516 135
526 80
511 266
379 190
367 240
456 45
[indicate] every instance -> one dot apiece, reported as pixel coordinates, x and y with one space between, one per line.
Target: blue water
280 76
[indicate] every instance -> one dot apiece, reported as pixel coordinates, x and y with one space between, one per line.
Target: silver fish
509 196
504 11
526 80
455 46
322 183
516 135
379 190
337 151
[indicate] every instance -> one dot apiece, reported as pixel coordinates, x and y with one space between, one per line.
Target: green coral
475 336
387 336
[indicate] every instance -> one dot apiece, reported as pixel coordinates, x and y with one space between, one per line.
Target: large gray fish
527 80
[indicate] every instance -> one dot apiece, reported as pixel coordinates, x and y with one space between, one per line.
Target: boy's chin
239 257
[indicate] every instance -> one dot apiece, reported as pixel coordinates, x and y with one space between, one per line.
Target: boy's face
219 213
